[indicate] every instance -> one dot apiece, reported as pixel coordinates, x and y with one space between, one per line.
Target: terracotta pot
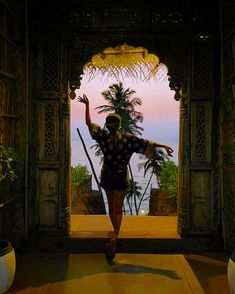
231 272
7 265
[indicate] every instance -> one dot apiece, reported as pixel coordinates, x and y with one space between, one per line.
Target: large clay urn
7 265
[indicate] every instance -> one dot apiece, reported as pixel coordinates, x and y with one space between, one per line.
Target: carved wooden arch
182 41
83 48
171 51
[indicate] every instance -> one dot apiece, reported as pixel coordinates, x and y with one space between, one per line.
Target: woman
117 149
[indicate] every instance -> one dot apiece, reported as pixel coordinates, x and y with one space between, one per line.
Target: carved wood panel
49 65
189 58
200 216
106 17
82 48
48 197
204 193
48 130
201 121
202 72
52 143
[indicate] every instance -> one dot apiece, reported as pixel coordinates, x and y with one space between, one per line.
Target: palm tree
133 189
121 101
154 164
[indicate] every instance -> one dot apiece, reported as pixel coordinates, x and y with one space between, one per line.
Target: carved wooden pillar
65 158
198 186
52 143
203 184
183 172
199 202
228 121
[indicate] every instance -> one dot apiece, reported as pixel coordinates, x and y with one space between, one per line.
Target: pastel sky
160 110
161 122
157 99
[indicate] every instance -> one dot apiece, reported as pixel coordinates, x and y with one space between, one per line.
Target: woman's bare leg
115 201
109 194
119 196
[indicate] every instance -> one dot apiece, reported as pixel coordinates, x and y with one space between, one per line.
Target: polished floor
57 273
65 272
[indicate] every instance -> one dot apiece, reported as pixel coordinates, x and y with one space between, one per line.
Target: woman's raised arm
85 100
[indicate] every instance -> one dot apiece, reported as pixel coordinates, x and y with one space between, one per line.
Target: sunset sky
160 110
161 120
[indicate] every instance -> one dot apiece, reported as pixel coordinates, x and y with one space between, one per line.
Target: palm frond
98 152
155 162
133 189
120 100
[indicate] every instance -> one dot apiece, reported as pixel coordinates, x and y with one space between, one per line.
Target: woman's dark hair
113 118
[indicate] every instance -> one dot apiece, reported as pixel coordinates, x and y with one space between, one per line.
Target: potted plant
8 160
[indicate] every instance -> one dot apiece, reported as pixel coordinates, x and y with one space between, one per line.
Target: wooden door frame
181 48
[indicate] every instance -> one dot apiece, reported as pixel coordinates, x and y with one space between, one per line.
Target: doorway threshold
138 234
99 226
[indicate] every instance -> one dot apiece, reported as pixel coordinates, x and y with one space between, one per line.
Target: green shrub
168 178
79 174
8 159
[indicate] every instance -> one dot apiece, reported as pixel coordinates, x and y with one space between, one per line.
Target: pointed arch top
161 63
125 61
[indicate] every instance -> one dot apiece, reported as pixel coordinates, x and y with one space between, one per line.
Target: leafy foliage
8 159
168 178
154 163
98 152
133 193
122 102
133 188
79 174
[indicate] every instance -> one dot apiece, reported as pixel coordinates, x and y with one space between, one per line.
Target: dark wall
13 115
228 120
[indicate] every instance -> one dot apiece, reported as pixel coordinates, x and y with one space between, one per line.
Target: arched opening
160 111
58 57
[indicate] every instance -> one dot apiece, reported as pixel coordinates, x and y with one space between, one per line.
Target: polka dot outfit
117 150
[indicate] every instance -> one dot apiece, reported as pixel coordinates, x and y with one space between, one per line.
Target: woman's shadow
140 269
37 269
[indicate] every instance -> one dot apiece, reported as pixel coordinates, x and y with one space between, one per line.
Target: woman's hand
83 99
169 150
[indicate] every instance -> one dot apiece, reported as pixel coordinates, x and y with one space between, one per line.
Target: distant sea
79 157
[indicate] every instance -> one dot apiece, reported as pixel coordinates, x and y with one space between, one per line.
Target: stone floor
132 273
132 226
57 273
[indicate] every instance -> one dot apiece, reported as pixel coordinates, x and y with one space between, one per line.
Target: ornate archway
183 45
